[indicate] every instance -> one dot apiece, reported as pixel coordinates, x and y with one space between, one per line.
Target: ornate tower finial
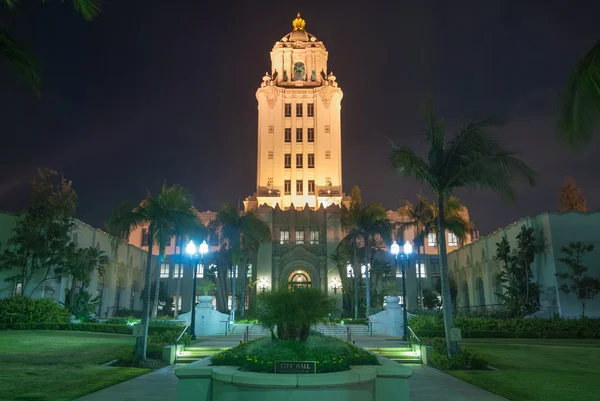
298 23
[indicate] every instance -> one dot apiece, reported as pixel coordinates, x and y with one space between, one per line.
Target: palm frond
20 59
580 102
125 218
410 164
89 9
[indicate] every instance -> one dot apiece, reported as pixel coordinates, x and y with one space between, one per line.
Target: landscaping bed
330 354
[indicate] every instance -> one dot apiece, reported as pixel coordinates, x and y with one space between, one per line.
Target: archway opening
299 279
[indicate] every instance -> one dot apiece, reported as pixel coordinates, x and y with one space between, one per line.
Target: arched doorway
299 279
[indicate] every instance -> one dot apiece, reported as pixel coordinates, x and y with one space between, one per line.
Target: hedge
486 327
94 327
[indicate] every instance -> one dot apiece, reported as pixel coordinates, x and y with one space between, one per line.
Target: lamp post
192 251
395 249
263 285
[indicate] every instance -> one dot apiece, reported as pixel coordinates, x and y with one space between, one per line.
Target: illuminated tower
299 131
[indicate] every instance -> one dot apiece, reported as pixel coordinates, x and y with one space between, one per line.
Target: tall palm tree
238 233
472 159
369 227
171 207
20 58
580 108
422 217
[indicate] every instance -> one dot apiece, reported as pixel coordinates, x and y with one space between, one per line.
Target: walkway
426 384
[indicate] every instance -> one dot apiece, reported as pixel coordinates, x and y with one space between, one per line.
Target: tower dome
299 34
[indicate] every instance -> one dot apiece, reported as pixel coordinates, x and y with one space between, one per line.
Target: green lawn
536 370
59 365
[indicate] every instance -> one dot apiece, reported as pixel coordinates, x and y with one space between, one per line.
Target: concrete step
397 354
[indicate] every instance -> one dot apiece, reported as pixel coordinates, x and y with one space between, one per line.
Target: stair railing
245 336
349 337
182 333
418 342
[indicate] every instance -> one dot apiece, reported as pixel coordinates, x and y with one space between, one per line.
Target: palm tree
580 108
369 227
422 217
170 208
20 58
239 233
472 159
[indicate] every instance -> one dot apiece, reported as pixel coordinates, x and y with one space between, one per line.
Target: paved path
426 384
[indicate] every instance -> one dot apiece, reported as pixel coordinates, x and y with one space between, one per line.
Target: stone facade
119 288
477 273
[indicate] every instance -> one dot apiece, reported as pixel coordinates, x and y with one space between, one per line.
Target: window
314 236
18 289
298 134
328 129
452 240
288 109
421 272
271 154
287 160
176 271
311 187
249 271
270 181
144 237
311 160
287 187
328 181
298 187
431 239
284 237
299 160
271 129
164 270
199 270
434 267
298 109
311 134
299 236
328 154
310 110
288 135
351 272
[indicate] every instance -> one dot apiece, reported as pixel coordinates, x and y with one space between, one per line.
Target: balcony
268 191
328 191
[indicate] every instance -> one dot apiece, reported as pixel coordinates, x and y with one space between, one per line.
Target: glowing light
203 248
190 248
407 248
395 248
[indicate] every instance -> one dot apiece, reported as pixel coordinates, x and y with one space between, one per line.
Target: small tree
521 295
584 287
571 197
41 246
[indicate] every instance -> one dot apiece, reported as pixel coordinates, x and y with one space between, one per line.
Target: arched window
465 295
299 72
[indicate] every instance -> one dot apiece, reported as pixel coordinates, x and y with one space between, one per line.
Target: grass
59 365
536 370
330 354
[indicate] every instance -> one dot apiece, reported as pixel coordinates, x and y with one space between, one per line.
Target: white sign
138 330
455 334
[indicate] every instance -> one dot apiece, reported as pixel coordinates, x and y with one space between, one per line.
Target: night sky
165 90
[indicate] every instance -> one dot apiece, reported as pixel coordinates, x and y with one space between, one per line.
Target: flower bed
330 354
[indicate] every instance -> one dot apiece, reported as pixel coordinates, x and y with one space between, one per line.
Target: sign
295 367
138 330
455 334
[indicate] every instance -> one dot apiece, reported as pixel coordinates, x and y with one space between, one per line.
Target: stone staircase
195 353
404 354
341 330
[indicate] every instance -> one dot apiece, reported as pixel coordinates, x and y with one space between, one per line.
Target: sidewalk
426 384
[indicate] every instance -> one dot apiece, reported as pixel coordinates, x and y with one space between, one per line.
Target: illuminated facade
299 160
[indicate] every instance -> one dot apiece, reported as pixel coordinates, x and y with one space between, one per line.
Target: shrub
28 310
330 354
463 360
94 327
293 312
487 327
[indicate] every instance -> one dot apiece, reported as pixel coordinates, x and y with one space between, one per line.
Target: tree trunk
221 289
157 288
142 342
355 279
446 298
234 272
179 278
243 284
367 281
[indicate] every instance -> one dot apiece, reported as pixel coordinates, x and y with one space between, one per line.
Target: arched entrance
299 279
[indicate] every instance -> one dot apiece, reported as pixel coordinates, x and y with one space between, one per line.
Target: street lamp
263 285
192 251
395 249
